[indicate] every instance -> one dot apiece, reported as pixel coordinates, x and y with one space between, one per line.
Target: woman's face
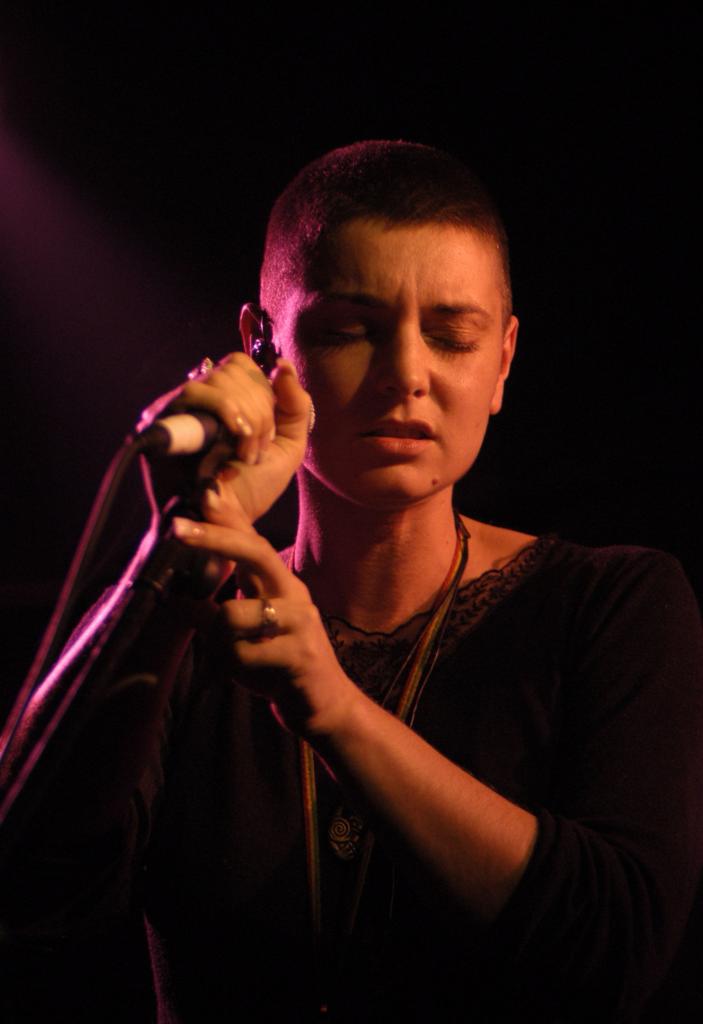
403 344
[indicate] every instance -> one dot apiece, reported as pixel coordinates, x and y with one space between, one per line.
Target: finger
251 395
272 615
292 405
256 399
259 616
227 407
219 505
237 384
245 547
274 653
216 459
246 363
236 412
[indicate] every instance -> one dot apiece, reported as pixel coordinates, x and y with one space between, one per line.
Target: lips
414 429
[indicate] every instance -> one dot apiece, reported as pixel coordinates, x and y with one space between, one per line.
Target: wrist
341 720
321 718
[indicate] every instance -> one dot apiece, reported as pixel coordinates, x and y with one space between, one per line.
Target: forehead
430 264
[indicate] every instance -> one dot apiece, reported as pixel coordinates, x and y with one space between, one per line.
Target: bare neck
374 568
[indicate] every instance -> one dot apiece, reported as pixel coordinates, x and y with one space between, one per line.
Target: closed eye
451 344
447 344
339 337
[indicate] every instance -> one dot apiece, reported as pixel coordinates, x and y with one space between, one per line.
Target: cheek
475 389
333 382
466 420
299 362
468 392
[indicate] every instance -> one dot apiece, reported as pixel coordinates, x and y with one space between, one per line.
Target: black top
570 682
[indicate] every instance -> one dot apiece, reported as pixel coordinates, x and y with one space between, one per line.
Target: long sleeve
575 691
601 909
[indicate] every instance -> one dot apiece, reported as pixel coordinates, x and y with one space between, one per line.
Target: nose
402 364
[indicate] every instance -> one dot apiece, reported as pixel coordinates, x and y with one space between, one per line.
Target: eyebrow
356 298
465 309
371 302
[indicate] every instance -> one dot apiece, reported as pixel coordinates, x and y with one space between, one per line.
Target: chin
390 489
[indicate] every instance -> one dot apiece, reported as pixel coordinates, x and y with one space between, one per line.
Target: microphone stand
73 688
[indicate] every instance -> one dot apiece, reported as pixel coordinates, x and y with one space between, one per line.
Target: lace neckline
487 583
372 658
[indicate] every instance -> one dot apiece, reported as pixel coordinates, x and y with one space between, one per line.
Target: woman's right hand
268 422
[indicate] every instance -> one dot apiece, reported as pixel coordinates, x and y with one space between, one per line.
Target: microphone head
180 434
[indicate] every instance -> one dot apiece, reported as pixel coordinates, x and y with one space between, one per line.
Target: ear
506 359
250 325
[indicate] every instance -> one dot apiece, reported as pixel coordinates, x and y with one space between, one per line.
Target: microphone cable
54 636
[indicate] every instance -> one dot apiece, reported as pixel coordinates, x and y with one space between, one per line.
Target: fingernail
285 366
244 426
210 484
212 498
186 528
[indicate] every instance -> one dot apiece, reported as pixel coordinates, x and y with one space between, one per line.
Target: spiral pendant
344 833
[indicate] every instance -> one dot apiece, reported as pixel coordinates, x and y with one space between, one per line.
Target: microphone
181 434
190 432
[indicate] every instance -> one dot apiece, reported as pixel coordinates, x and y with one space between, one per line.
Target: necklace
347 833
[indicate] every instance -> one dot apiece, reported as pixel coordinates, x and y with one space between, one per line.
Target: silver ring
269 615
202 369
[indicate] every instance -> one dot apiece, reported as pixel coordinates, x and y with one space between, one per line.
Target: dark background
140 152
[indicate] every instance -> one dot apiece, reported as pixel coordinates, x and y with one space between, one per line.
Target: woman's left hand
280 649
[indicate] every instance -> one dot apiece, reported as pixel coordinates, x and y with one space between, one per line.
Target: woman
418 767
